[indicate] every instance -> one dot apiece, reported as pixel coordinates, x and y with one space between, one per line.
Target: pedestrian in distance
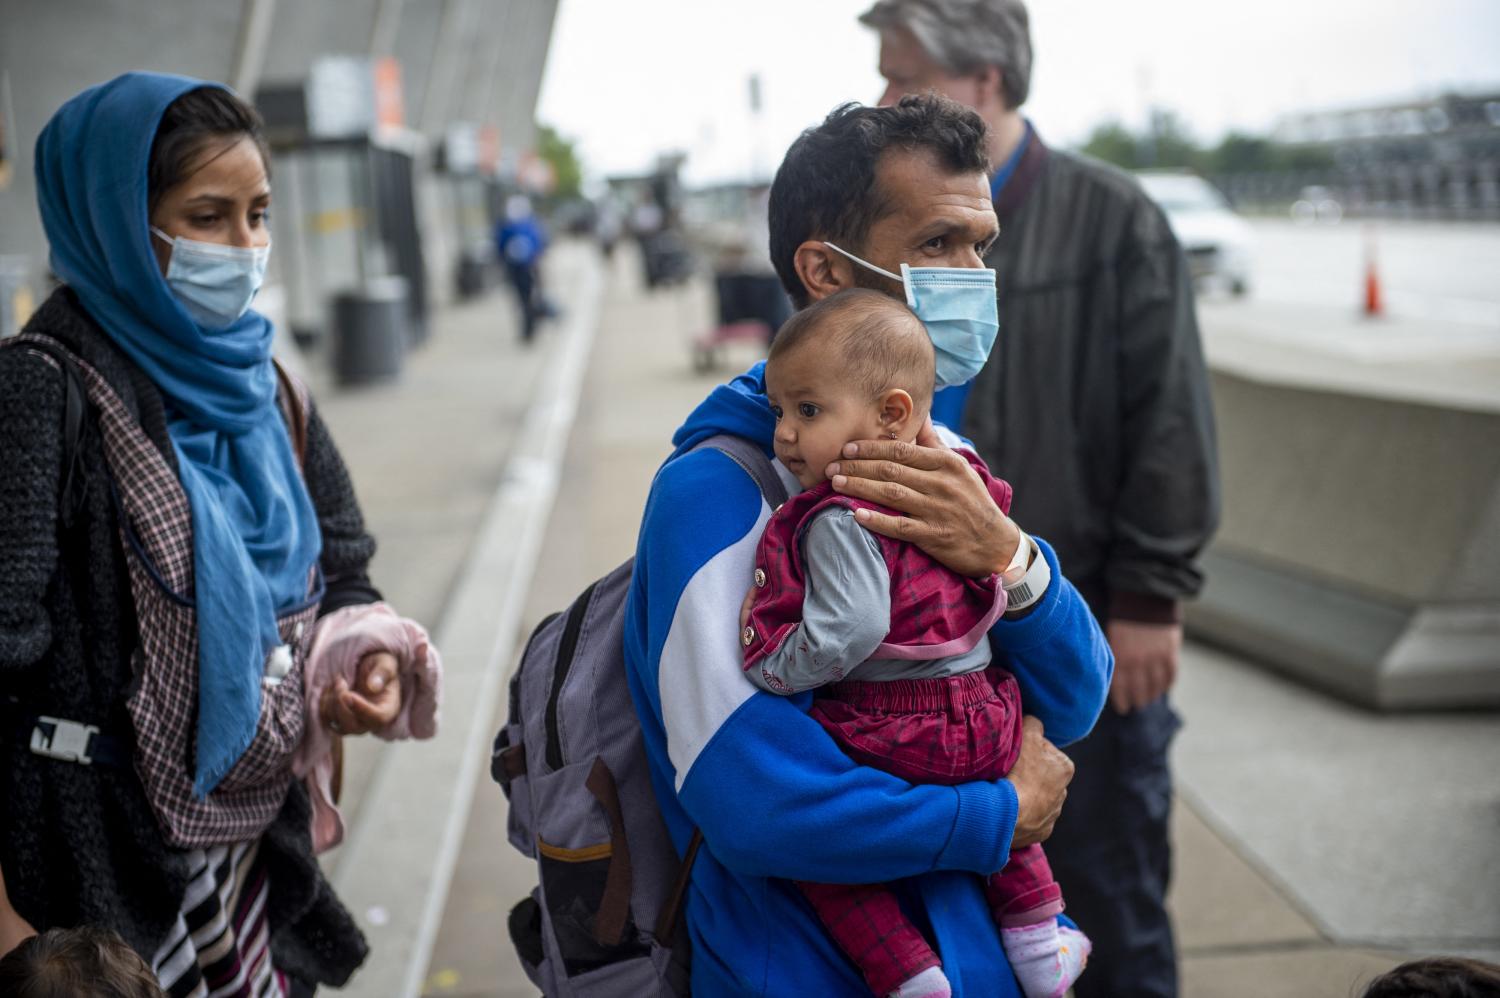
178 539
1095 406
521 241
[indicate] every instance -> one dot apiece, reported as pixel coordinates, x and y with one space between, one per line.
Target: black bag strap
749 456
75 402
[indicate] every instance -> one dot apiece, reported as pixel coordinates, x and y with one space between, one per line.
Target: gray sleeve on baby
846 611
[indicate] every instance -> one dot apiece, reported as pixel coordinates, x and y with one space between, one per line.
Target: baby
895 643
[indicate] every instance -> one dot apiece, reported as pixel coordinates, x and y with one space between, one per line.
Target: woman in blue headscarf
148 735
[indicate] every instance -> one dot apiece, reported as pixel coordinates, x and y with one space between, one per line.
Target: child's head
86 962
857 365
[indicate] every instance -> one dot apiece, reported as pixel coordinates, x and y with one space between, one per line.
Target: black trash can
474 274
370 331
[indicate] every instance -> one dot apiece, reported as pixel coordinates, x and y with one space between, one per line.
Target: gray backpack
602 921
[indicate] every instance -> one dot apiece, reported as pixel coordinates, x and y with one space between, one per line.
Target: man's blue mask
957 305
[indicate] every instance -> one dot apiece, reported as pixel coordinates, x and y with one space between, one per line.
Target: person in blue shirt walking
520 242
776 799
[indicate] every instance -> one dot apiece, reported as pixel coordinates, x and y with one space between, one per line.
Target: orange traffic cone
1374 306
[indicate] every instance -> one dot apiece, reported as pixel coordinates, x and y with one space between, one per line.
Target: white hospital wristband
1032 584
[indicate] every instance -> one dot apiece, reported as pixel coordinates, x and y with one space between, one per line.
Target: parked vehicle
1215 239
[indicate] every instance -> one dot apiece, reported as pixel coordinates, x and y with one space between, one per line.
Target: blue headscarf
255 533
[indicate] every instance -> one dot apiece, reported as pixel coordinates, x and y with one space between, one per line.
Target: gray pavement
1383 828
1317 844
637 388
426 453
470 440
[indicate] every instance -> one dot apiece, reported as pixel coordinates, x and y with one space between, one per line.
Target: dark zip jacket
1095 402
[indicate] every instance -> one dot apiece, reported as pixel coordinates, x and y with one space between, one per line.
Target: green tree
559 153
1241 153
1169 144
1113 143
1307 159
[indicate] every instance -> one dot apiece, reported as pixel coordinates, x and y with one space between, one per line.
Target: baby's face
816 414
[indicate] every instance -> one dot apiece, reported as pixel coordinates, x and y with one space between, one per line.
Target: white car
1215 239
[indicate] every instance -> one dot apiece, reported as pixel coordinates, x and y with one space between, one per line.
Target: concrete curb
396 865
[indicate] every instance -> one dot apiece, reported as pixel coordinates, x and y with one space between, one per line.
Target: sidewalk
638 386
426 453
1284 825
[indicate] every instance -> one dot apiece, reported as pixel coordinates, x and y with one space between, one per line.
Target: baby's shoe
1046 957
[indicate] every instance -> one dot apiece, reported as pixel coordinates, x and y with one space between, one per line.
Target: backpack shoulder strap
293 397
749 456
753 460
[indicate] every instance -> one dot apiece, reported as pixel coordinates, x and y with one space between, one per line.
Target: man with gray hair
1095 405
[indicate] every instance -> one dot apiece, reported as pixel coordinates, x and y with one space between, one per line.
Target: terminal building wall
473 61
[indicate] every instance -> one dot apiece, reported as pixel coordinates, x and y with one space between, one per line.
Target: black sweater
80 844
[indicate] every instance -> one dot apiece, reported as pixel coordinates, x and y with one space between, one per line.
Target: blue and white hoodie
776 799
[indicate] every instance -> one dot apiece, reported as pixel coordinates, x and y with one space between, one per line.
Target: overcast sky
630 78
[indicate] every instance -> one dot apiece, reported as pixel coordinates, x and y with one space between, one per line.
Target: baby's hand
745 606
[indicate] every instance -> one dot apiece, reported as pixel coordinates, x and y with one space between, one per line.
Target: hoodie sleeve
771 792
1059 657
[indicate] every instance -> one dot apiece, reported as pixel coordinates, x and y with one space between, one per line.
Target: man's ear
822 271
897 412
991 85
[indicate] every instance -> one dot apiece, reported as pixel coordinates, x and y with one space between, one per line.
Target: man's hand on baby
948 511
374 704
1041 776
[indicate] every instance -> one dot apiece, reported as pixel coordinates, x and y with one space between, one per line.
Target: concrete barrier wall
1360 547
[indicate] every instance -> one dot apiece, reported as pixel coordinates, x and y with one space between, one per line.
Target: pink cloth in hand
341 639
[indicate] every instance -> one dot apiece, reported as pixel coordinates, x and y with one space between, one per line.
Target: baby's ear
897 412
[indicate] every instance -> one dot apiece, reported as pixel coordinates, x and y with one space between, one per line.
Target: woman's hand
746 605
949 512
373 705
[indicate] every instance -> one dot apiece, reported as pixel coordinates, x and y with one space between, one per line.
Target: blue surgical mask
214 282
957 305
